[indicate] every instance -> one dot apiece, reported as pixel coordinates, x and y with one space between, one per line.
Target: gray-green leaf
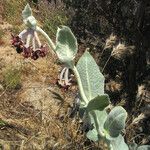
97 119
118 143
115 121
98 103
93 135
27 12
144 147
91 78
66 45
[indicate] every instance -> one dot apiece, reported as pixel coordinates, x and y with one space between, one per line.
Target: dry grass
31 117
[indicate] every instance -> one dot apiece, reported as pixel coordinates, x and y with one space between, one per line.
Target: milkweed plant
93 103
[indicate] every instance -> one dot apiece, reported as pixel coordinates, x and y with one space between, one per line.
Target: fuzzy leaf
27 12
115 121
66 45
93 135
144 147
91 78
97 119
119 144
98 103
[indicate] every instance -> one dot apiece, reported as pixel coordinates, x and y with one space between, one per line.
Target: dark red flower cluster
18 43
28 52
41 52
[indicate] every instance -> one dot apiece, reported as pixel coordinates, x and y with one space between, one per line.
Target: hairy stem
37 39
33 43
80 85
51 44
22 33
29 36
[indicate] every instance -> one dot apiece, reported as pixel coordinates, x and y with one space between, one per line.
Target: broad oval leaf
119 144
98 103
115 121
97 119
66 45
91 78
27 12
144 147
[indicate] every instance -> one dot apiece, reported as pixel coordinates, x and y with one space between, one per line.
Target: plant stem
37 39
106 63
51 44
22 33
28 40
80 85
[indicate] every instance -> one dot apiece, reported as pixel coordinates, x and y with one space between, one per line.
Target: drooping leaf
98 103
119 143
115 121
91 78
27 12
144 147
66 45
97 119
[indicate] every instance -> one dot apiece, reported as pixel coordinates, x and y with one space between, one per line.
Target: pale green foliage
28 19
27 12
115 122
98 103
91 77
118 143
66 45
91 85
98 119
